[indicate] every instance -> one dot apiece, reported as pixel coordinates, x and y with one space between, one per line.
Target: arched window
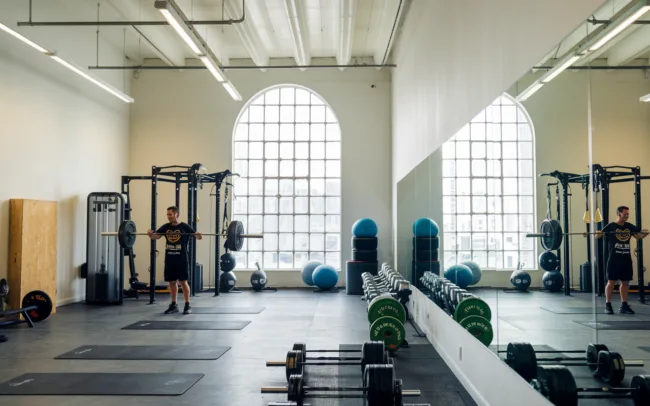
489 189
287 149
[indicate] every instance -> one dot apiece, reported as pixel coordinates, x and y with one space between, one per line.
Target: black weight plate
41 301
295 390
552 230
558 385
426 243
234 241
592 355
294 364
364 256
641 396
521 357
126 234
611 367
548 261
425 255
364 243
302 347
4 287
398 392
380 383
372 352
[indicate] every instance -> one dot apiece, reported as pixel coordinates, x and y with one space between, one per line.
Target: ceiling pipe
606 22
241 67
574 67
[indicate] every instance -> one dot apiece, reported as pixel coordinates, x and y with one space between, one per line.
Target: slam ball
364 227
258 280
425 227
325 277
459 275
553 281
308 270
228 281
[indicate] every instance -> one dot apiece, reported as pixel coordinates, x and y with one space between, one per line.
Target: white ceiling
265 34
630 47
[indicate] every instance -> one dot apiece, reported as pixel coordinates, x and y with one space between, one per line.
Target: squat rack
194 177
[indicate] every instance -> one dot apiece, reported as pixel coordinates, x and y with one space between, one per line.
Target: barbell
550 232
234 237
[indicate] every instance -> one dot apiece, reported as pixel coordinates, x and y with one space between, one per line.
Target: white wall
61 136
186 117
455 57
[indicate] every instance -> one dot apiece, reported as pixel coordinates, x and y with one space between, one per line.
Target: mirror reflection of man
619 262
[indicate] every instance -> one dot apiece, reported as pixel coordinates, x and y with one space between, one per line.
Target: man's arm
188 229
158 234
639 234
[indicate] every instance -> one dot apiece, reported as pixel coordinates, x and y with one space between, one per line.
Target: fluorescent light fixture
213 68
557 69
529 91
83 74
177 23
620 27
23 39
232 91
79 71
645 98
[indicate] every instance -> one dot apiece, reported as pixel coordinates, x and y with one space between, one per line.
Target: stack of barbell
470 311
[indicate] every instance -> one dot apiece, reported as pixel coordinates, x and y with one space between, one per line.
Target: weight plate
294 364
385 305
4 287
389 330
479 328
234 241
472 306
295 390
372 352
548 261
398 393
126 234
41 301
641 396
380 383
558 385
521 358
552 230
302 347
611 367
592 355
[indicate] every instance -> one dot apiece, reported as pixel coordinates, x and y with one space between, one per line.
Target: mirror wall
525 165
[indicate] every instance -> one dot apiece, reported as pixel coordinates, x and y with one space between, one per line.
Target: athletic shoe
608 308
173 308
625 309
187 309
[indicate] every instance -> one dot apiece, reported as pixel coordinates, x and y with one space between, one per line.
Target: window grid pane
288 152
489 190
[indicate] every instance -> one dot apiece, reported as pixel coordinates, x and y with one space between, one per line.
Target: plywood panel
32 249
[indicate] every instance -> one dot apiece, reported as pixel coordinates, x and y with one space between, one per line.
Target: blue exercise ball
476 271
459 275
425 227
364 227
325 277
308 271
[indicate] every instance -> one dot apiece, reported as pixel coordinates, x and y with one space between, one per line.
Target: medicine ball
476 271
228 281
425 227
553 281
548 261
325 277
308 270
520 280
228 262
364 227
258 280
459 275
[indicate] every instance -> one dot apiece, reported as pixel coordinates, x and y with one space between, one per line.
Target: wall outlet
460 352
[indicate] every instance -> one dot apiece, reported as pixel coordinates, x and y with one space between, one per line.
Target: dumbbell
607 365
380 388
557 384
372 352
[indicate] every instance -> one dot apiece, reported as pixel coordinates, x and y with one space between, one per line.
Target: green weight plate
385 305
472 306
479 328
389 330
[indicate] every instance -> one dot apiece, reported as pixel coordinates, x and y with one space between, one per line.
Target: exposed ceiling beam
346 15
298 26
391 11
247 33
613 44
635 45
161 42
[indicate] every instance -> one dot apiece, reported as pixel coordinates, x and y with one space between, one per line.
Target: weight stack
353 271
425 256
364 259
585 277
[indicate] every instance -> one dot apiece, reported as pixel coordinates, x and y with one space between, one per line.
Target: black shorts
620 272
176 273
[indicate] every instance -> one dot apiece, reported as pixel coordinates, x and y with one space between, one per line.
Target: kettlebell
258 278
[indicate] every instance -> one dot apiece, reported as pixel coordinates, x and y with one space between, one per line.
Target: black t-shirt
619 244
176 249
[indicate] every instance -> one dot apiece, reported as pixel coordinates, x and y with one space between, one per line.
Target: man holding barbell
177 272
619 262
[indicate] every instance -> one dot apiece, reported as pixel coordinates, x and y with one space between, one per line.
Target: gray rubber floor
322 320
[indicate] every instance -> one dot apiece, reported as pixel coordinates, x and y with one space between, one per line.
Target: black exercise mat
536 347
102 384
187 325
227 310
646 349
570 310
616 325
145 352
